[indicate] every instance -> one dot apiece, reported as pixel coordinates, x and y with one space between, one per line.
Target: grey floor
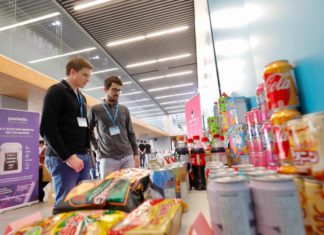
197 201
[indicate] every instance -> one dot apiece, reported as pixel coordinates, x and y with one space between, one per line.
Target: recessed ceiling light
62 55
104 71
149 35
168 31
174 95
158 60
142 106
56 23
171 87
145 111
30 21
102 87
135 101
89 4
149 115
131 93
165 76
173 102
174 107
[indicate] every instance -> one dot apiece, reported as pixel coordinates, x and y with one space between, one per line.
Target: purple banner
19 134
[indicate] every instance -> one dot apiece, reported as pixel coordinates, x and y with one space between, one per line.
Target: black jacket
59 126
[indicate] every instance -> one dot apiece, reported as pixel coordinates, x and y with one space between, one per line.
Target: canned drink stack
276 205
230 206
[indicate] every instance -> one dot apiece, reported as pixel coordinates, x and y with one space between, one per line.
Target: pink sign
193 117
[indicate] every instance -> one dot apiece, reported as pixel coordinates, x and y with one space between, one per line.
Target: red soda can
280 131
280 85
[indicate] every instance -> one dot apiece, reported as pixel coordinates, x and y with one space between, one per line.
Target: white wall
161 144
12 103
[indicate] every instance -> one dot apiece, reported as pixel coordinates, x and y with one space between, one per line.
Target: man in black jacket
64 127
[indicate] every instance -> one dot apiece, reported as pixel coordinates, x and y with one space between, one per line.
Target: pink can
257 140
261 101
261 159
268 141
250 131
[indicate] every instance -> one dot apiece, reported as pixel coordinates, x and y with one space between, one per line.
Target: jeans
64 178
109 165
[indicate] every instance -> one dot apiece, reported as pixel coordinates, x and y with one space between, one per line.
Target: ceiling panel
120 20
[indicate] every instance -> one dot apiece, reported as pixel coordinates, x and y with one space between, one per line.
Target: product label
289 213
11 161
236 216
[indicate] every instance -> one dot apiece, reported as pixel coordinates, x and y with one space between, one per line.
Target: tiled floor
197 201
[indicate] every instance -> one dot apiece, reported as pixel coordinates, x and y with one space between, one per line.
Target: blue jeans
64 178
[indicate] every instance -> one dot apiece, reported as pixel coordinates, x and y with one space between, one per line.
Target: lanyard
108 113
80 100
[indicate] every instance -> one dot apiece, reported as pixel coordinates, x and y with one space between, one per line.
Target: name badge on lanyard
82 121
115 130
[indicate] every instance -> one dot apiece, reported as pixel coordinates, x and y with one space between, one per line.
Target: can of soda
300 185
315 203
298 135
315 123
280 132
230 206
280 85
276 205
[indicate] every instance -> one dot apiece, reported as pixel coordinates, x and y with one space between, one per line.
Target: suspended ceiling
116 20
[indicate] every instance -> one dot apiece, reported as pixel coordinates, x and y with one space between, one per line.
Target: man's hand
137 161
75 163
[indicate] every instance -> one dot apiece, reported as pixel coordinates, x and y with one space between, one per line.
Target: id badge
114 130
82 122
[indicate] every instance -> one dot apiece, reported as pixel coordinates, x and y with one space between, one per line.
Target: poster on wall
19 133
193 117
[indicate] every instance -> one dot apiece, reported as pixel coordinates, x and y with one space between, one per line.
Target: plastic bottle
198 164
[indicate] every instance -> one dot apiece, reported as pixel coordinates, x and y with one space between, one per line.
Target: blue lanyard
80 100
108 113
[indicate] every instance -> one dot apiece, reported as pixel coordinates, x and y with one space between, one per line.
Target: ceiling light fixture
149 115
174 107
142 106
30 21
90 4
104 71
149 35
158 60
135 101
174 95
173 102
125 41
176 111
144 111
165 76
131 93
171 87
168 31
62 55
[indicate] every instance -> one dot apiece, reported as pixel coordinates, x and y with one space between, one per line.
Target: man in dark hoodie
64 127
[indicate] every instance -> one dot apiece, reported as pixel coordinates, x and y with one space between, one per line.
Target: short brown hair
77 63
113 79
